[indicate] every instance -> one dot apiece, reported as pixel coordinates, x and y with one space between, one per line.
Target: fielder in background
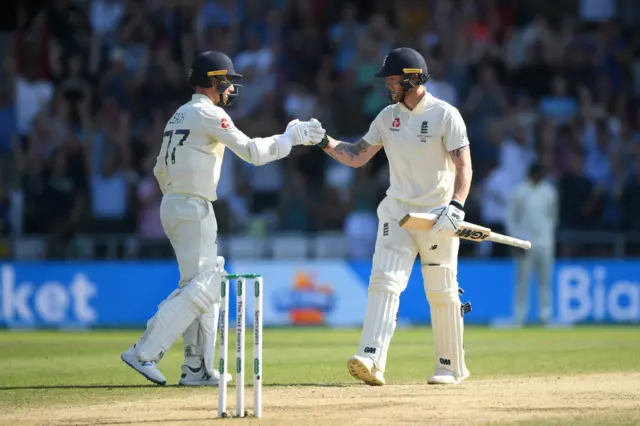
426 143
532 214
188 172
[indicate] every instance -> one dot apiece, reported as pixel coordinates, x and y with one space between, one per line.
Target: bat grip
504 239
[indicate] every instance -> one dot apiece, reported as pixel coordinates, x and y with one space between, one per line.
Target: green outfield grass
41 369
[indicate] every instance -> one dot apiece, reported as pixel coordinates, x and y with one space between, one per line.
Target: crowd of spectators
87 87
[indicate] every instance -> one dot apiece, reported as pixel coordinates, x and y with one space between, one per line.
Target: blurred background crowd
87 86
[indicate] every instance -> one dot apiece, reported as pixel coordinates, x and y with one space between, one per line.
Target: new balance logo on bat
471 234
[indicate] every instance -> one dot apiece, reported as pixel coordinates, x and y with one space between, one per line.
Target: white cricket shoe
199 377
147 369
363 368
446 377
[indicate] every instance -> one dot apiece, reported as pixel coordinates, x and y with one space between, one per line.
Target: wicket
241 287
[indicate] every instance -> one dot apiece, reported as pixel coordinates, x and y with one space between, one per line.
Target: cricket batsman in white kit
426 143
188 171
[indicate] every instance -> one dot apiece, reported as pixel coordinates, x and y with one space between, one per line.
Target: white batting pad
389 277
200 339
441 288
379 326
207 336
178 312
192 352
173 317
391 269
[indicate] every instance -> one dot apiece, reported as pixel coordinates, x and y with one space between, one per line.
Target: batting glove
305 132
291 124
449 218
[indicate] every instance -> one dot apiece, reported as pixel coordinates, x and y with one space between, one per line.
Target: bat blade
467 231
418 221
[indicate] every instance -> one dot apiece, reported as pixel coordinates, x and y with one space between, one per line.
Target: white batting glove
305 132
288 130
449 219
291 124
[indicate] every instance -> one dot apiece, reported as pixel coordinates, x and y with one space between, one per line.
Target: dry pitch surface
590 399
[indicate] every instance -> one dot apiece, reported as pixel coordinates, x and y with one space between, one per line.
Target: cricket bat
467 231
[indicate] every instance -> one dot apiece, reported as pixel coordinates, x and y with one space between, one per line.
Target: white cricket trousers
433 249
395 254
190 225
538 259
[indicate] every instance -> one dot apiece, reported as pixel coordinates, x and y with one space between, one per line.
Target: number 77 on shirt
467 231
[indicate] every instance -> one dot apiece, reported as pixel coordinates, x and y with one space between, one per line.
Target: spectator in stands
486 102
361 222
559 105
565 84
5 211
8 139
631 199
344 35
579 196
494 193
439 87
297 205
150 230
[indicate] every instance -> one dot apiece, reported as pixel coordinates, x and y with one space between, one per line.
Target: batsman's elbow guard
266 150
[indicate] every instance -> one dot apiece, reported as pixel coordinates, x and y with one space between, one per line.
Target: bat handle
504 239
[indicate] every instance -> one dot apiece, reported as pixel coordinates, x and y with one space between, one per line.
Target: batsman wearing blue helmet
425 141
188 171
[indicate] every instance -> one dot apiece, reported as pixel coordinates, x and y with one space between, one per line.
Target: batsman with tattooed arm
426 143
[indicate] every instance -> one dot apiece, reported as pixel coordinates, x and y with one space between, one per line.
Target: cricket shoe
147 369
363 368
446 377
199 377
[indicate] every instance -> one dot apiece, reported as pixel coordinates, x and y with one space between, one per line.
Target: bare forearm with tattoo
351 154
464 173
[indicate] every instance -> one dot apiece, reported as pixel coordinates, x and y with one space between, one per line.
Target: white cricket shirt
417 144
533 213
190 158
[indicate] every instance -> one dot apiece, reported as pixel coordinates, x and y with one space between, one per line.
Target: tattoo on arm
462 160
353 150
458 152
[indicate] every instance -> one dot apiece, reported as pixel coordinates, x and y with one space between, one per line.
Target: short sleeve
373 135
455 131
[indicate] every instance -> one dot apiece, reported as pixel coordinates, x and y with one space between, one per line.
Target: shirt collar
201 97
426 100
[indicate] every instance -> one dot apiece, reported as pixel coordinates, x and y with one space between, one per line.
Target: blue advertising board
331 293
69 294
